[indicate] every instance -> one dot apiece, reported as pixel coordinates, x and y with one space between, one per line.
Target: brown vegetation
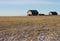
30 28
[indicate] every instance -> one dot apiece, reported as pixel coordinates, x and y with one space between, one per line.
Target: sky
20 7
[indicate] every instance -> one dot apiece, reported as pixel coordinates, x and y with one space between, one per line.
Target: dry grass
30 28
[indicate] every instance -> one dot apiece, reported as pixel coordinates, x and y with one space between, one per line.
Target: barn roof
52 12
33 10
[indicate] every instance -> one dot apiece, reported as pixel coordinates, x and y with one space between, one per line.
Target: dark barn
32 13
53 13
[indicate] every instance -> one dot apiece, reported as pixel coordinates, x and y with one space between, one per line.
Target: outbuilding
53 13
32 12
41 14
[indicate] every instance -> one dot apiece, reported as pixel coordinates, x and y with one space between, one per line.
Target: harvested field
30 28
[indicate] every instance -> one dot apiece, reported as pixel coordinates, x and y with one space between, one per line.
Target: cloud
27 2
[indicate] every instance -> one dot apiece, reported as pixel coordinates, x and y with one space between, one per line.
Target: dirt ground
30 28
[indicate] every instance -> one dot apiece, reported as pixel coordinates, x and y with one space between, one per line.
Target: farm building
41 14
53 13
32 12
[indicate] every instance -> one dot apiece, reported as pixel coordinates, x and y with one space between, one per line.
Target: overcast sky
20 7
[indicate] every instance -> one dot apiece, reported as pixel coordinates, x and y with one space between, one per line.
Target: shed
32 12
53 13
41 14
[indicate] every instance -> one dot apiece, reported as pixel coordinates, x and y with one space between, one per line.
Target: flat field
30 28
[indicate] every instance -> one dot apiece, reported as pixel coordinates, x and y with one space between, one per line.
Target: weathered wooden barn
53 13
32 12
